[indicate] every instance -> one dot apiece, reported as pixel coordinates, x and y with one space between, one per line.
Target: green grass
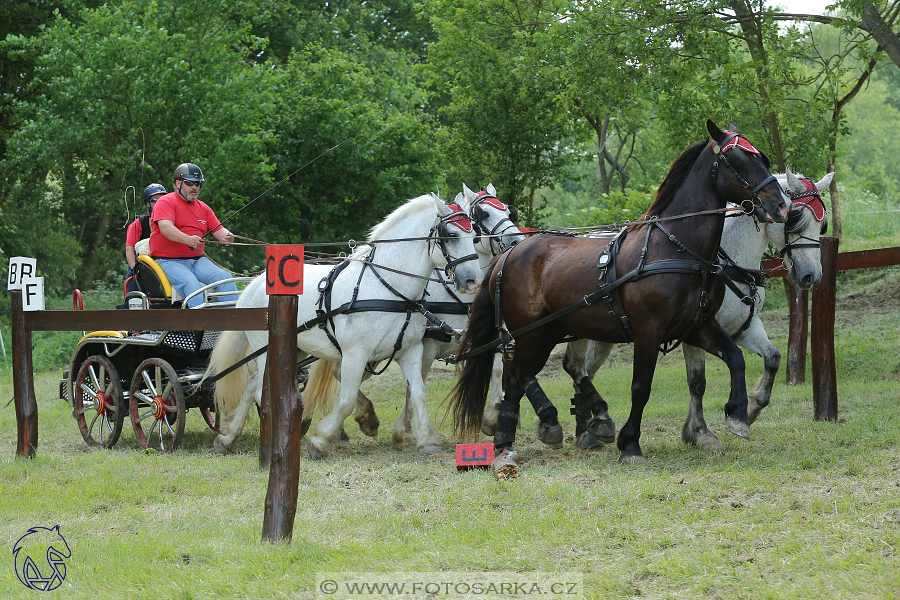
804 510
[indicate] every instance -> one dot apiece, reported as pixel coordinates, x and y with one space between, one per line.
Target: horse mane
678 172
401 213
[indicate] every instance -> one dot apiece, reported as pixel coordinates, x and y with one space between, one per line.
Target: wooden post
824 371
23 382
798 302
265 423
287 415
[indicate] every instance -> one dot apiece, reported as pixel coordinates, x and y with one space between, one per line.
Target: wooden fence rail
823 307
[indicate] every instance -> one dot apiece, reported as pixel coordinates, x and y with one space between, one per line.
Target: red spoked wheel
157 406
99 406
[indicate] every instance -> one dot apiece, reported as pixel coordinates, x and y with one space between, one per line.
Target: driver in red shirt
178 222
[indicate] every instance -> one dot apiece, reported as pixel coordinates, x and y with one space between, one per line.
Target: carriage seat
153 282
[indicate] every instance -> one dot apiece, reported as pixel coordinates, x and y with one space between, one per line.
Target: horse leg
231 430
755 340
495 397
646 353
695 430
427 439
402 434
531 356
330 426
365 416
714 340
508 409
593 424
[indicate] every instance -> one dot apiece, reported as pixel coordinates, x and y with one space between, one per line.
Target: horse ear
826 181
732 126
442 209
461 200
793 182
714 131
470 195
490 190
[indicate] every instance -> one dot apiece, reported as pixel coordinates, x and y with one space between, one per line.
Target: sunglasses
190 183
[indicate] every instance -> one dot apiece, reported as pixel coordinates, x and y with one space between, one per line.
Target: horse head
797 239
452 246
741 175
493 220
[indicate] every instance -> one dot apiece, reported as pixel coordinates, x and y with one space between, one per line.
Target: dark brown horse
654 286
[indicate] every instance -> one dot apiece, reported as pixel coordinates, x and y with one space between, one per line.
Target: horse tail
230 348
320 388
470 393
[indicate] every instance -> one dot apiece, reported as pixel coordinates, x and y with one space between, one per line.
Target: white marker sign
20 268
33 293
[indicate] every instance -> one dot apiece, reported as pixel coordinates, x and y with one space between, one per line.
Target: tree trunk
753 34
874 23
89 268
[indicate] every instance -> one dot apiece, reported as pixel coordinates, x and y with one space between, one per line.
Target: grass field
804 510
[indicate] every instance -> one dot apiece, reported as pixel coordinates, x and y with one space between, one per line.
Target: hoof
738 428
403 438
710 443
587 440
343 437
633 459
603 429
428 449
369 428
304 426
552 435
318 448
219 447
488 429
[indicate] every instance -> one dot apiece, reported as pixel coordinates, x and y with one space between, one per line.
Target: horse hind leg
365 416
549 430
695 430
593 425
402 434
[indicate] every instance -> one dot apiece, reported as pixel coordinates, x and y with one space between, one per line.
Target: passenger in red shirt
140 229
178 223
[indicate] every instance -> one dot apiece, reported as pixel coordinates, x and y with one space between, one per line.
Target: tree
131 91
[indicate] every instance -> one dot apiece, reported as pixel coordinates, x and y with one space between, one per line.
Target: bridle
736 146
480 215
438 235
812 193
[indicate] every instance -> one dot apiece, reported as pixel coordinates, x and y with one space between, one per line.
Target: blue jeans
187 275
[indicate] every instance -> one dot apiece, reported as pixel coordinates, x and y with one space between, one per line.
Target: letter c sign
284 270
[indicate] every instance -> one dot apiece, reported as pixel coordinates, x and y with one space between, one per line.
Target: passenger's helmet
189 171
152 190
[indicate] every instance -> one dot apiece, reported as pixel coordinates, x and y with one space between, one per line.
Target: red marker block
469 456
284 270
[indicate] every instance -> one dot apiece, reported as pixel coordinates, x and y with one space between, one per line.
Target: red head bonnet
484 198
740 142
814 202
459 218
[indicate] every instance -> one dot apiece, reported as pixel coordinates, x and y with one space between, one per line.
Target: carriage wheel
211 417
157 406
99 403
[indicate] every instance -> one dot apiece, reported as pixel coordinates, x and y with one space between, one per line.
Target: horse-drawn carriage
153 376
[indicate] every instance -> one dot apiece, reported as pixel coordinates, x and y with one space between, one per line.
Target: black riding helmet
153 189
189 172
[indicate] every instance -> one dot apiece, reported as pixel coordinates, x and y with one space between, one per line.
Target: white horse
494 222
404 250
744 240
